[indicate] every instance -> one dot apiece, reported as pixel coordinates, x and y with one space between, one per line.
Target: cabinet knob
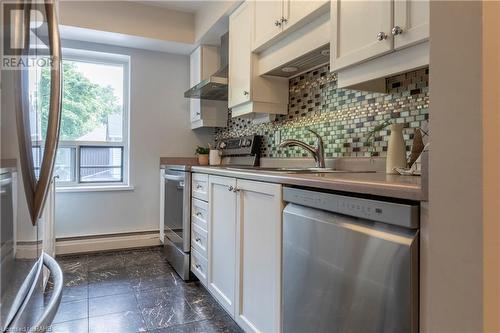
199 214
198 240
277 23
236 190
381 36
199 187
397 30
197 266
230 189
283 20
245 93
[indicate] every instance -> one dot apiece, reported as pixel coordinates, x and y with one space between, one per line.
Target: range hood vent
215 87
304 63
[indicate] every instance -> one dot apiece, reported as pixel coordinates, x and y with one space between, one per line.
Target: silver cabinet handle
397 30
277 23
51 308
199 214
174 178
283 20
199 187
381 36
230 189
245 93
236 190
197 240
198 266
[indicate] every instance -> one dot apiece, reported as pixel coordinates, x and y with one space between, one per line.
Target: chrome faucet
317 152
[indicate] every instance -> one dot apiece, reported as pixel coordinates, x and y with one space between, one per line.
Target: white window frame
104 59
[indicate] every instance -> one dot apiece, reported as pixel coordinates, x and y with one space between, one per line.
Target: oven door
177 208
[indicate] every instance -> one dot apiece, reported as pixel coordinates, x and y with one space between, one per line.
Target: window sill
96 188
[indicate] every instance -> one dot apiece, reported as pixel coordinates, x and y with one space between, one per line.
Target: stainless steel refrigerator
29 138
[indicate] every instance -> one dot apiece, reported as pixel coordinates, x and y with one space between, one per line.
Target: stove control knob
222 145
247 143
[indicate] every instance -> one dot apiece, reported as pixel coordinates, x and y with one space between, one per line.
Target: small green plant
202 150
371 135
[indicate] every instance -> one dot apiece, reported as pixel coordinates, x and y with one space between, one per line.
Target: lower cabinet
244 251
258 264
222 240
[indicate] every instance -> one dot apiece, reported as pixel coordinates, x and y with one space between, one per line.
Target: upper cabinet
249 93
362 30
372 40
411 22
274 19
203 62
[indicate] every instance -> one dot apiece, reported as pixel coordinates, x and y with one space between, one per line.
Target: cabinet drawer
200 186
199 266
199 211
199 240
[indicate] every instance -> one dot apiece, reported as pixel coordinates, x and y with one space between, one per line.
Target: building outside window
94 132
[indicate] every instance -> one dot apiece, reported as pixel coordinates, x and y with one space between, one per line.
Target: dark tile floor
134 291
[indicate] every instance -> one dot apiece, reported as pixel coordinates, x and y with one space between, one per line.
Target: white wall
159 126
129 18
451 244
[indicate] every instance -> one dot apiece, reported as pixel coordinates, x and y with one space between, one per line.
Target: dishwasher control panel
403 215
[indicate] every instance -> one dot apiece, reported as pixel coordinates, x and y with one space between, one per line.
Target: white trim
114 242
110 59
94 188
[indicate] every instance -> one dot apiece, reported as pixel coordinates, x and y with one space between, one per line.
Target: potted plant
202 153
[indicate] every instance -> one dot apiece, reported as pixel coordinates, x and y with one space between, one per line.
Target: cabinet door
296 10
222 240
360 30
267 16
195 67
258 239
411 22
240 55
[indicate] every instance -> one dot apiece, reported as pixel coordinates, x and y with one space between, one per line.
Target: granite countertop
375 183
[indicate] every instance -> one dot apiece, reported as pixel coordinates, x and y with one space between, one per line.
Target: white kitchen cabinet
360 30
364 30
248 92
411 22
273 20
203 62
258 264
295 11
222 240
267 21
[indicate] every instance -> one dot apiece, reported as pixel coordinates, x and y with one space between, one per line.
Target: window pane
92 108
64 166
101 164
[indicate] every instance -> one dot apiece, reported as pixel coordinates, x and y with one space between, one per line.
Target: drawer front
199 213
199 266
199 240
200 186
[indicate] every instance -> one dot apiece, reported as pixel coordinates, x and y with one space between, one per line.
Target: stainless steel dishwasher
349 264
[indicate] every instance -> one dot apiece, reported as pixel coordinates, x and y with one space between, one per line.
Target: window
93 141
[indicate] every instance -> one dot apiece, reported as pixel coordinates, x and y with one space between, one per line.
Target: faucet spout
317 152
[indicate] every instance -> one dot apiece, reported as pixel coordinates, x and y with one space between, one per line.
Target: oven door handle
174 178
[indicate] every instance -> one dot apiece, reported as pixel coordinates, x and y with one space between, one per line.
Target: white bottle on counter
396 149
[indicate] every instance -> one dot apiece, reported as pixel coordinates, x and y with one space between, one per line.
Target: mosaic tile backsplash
342 117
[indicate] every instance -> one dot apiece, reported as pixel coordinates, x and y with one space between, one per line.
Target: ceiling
188 6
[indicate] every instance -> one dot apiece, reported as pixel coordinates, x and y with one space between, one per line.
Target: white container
396 149
214 157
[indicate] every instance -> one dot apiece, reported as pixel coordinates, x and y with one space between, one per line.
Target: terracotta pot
203 159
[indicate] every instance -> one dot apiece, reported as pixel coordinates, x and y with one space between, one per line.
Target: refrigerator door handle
51 309
36 192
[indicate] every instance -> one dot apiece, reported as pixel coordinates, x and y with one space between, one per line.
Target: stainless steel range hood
215 87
